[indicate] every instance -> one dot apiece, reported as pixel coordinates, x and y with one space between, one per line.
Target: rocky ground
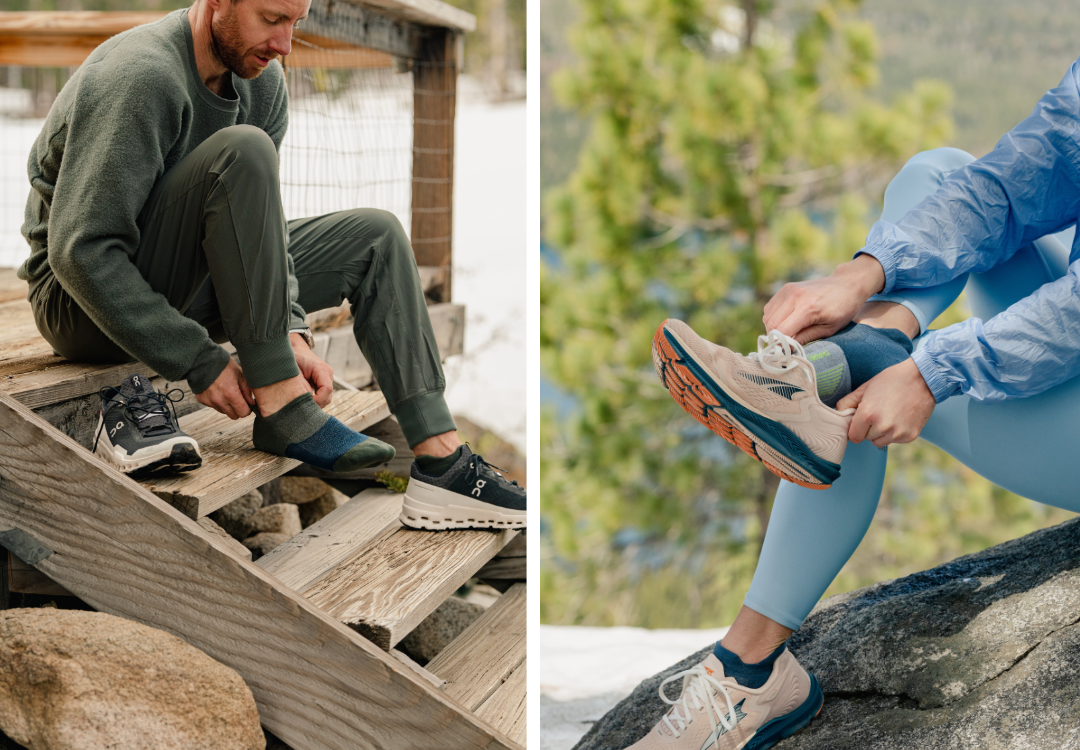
982 652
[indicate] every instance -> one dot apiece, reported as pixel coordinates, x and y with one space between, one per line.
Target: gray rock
235 517
283 518
264 543
982 652
436 630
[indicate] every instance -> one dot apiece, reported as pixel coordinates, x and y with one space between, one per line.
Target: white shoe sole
428 507
162 453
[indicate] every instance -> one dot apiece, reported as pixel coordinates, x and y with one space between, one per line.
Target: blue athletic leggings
812 533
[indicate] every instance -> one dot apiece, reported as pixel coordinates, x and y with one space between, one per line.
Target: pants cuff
424 416
786 619
268 361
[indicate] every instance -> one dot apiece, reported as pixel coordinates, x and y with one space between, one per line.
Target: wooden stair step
334 538
362 567
477 663
318 685
505 709
45 380
231 464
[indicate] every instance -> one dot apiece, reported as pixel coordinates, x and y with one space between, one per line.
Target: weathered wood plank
41 381
426 12
237 549
385 590
26 579
505 709
338 536
477 662
232 465
118 547
364 27
11 286
434 105
504 569
416 668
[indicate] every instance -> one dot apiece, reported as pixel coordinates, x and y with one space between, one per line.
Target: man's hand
811 310
229 394
318 374
893 406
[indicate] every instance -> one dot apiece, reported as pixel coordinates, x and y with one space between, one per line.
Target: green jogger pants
215 243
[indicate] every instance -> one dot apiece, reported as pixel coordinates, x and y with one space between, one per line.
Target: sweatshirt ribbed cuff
885 257
267 361
934 375
206 371
424 416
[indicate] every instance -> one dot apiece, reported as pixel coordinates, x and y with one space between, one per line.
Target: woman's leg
1037 460
813 533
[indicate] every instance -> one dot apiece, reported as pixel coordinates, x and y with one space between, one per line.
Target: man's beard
225 40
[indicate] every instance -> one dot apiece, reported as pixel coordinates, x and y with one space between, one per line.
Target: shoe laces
698 693
141 409
776 352
477 465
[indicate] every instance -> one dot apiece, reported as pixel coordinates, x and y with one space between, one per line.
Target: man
999 391
157 233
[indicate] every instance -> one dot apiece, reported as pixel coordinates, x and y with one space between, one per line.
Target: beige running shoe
716 713
765 403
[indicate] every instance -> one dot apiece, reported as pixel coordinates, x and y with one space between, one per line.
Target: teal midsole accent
769 431
787 725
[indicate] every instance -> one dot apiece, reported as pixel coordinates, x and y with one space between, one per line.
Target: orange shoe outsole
699 403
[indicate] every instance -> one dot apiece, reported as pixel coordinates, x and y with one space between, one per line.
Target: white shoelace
697 695
776 352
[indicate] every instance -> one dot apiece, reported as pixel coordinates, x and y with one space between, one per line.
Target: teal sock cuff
424 416
267 362
293 423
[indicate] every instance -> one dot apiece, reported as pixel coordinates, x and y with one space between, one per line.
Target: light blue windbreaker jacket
1027 187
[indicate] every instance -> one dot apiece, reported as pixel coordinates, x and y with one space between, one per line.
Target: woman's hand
811 310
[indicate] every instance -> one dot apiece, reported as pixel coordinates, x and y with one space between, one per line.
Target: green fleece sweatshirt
135 108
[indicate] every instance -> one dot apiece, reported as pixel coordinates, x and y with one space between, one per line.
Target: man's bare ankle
271 398
438 446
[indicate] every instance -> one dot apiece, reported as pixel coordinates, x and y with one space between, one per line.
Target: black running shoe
138 432
470 495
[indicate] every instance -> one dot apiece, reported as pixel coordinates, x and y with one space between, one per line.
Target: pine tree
732 148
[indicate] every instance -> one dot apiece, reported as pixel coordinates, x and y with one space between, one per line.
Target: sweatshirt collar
226 105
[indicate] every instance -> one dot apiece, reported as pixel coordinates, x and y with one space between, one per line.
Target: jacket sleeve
1026 349
1027 187
118 130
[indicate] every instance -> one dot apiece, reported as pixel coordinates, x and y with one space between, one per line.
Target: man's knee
384 225
248 147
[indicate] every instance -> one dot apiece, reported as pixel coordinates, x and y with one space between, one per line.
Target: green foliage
392 481
714 171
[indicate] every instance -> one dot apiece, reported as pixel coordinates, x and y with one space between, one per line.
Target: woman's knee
920 177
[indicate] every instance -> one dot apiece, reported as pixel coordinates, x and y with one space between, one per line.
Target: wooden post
434 97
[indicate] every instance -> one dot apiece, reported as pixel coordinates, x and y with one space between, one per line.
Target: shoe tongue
714 667
134 389
135 385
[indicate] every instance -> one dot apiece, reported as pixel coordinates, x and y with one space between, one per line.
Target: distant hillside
999 57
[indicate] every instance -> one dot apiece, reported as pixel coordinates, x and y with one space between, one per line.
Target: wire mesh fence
349 143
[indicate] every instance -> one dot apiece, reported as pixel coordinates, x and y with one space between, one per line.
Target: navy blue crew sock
436 467
750 676
852 356
303 431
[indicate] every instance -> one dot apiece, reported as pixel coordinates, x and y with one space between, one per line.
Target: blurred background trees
719 148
